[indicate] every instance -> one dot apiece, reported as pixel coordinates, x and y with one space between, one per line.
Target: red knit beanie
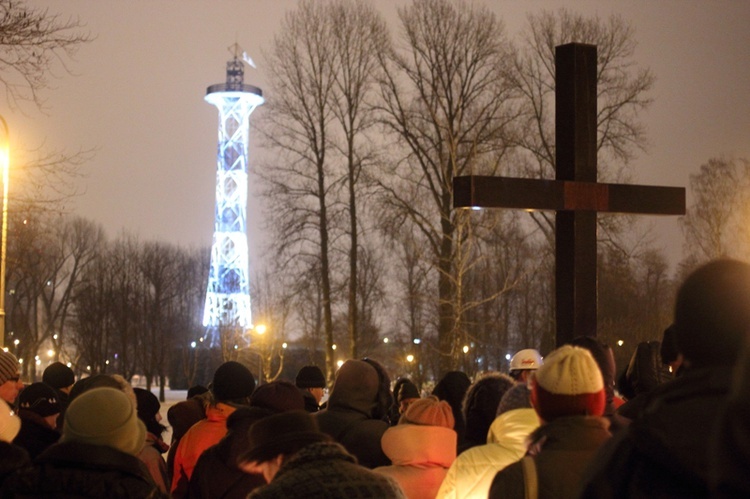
568 384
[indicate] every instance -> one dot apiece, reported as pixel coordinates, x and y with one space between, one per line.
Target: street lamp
5 164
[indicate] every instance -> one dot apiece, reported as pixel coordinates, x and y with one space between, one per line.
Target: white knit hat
569 383
10 424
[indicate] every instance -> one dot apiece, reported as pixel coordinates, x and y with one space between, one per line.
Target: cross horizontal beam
563 195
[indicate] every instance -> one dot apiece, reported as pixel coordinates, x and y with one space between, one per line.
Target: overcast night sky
136 95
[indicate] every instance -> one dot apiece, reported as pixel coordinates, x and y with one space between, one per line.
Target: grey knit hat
105 416
9 366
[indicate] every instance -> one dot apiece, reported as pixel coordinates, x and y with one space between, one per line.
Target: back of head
39 398
452 388
310 377
232 383
106 417
278 396
712 315
406 391
356 387
568 384
429 411
481 401
604 358
284 433
645 370
518 397
95 381
10 424
58 375
148 408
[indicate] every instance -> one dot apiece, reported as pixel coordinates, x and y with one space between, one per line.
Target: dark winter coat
216 474
452 388
665 453
349 417
324 470
13 459
35 435
561 449
730 455
74 469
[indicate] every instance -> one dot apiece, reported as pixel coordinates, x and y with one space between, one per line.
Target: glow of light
5 349
38 362
36 357
16 342
507 356
54 336
236 347
88 368
333 347
340 363
385 340
20 361
193 344
620 343
261 329
50 353
410 358
69 364
416 341
284 345
466 348
200 339
106 361
476 208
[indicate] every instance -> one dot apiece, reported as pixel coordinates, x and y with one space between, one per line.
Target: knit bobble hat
8 366
39 398
518 397
568 384
10 424
58 375
232 381
278 396
310 377
429 411
104 416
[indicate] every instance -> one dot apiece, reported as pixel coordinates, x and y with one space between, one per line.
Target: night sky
135 94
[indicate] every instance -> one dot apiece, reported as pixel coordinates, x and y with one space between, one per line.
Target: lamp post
5 159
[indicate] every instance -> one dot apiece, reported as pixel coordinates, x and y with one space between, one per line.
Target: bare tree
622 88
32 42
715 223
445 98
359 36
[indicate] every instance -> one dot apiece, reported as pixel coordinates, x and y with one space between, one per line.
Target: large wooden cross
574 195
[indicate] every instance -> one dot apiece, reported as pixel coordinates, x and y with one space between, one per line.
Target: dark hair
712 315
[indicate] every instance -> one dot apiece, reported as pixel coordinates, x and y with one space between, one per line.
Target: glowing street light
410 358
466 348
260 329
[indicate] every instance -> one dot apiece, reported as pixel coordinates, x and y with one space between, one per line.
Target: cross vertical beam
575 231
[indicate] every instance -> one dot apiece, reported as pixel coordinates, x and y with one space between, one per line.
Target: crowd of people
675 423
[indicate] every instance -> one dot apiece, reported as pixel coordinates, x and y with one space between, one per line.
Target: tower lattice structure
228 295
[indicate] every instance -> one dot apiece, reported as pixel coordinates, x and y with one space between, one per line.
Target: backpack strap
530 480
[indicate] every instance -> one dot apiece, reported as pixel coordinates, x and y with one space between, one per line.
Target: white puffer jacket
472 472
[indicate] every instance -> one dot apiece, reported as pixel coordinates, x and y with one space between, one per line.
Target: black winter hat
278 396
407 391
58 375
148 404
310 377
39 398
283 433
232 381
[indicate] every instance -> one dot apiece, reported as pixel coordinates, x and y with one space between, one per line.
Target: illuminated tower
228 295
